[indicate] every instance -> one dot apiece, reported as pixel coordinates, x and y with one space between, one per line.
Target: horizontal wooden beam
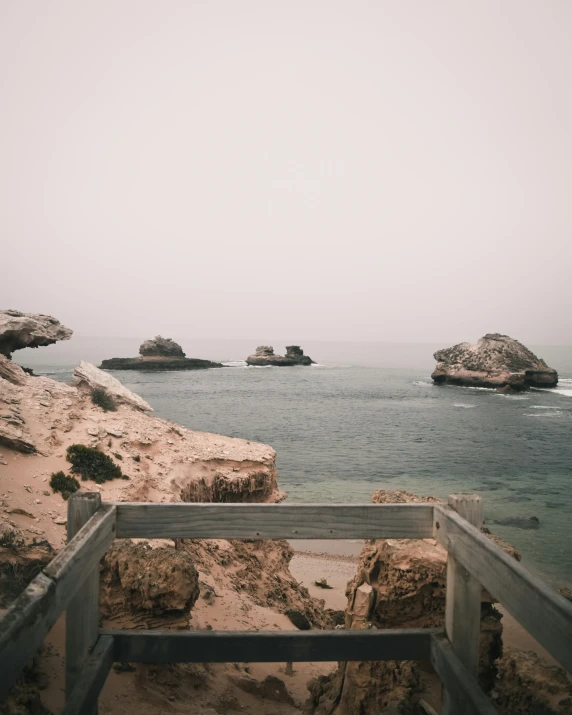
459 683
545 614
91 679
270 646
82 554
274 521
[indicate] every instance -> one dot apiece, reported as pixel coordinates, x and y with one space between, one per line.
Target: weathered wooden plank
545 614
91 679
82 617
82 554
270 646
463 604
23 628
463 687
275 521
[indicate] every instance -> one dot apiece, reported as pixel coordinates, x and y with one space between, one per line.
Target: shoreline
334 561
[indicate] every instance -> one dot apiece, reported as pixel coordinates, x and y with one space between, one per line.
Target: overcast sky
330 169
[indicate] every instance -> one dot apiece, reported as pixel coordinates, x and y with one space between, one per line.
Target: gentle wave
463 404
542 414
543 407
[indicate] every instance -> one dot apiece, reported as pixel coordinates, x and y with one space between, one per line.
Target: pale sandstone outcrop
11 371
29 330
496 361
87 373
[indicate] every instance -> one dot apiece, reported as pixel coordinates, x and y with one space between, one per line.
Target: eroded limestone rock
264 356
144 587
29 330
496 361
92 376
530 686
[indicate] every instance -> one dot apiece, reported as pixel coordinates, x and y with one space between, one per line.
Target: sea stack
159 354
265 356
496 361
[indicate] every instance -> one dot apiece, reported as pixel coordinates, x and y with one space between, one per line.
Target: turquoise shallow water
342 431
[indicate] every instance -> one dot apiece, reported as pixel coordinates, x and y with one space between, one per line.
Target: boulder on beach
159 354
264 356
29 330
496 361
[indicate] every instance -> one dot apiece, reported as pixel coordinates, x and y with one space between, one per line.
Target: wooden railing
71 583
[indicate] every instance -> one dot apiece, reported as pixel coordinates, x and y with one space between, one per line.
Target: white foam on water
566 393
234 363
464 405
543 407
542 414
422 383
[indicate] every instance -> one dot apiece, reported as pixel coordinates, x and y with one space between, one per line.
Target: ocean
367 416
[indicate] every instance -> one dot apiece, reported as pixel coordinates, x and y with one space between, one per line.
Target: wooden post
82 617
463 604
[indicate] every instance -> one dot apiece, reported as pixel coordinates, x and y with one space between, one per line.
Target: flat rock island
496 361
264 356
159 354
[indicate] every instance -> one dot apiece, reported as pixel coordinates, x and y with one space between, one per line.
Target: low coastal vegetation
103 399
92 463
64 484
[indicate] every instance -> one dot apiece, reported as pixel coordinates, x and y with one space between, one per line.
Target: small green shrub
103 399
63 484
8 540
117 455
136 458
92 463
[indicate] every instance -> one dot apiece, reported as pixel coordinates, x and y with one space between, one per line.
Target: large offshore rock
156 355
87 373
264 357
29 330
496 361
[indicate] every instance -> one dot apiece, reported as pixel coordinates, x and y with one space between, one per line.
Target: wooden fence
71 583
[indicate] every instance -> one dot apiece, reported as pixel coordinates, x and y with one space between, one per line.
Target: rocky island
496 361
264 356
159 354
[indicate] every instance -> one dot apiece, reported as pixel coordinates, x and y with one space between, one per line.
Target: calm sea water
343 429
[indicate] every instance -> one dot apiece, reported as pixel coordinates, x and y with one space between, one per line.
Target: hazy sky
331 169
